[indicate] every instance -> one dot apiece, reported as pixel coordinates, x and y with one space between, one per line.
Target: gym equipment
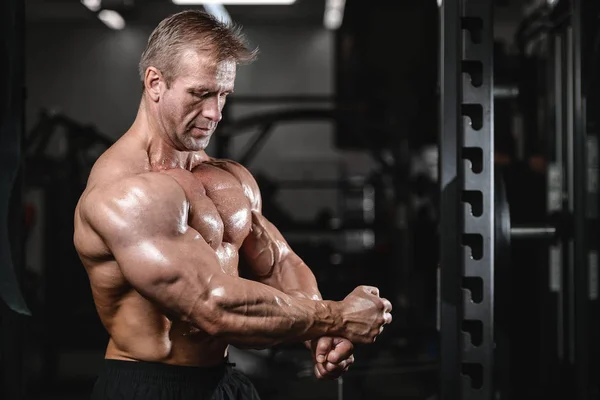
60 176
476 230
466 175
11 111
558 227
12 304
268 120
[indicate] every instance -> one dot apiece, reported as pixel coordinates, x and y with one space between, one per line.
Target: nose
211 109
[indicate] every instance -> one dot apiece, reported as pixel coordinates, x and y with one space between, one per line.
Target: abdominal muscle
139 331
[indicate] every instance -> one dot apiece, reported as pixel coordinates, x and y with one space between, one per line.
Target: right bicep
144 224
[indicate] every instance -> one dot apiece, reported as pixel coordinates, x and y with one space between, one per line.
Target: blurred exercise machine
59 154
12 305
475 222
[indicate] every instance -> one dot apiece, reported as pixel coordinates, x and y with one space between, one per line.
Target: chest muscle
218 210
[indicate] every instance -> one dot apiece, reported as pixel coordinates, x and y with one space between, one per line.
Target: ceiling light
334 14
333 18
92 5
112 19
234 2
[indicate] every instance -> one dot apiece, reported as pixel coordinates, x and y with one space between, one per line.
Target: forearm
294 278
251 314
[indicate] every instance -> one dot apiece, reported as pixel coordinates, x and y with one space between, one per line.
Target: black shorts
128 380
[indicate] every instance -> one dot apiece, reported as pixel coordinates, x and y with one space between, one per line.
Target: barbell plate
502 224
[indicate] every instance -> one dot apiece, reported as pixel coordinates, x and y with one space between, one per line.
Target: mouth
198 131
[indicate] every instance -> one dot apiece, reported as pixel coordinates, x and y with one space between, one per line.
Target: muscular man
160 229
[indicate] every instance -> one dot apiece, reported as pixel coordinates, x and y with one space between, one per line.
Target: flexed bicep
268 256
264 248
143 221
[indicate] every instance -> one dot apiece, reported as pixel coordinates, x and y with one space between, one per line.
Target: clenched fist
332 356
364 315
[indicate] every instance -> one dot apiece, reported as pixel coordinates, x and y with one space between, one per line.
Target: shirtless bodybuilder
160 229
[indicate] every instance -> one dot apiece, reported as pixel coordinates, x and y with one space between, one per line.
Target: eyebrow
203 89
199 89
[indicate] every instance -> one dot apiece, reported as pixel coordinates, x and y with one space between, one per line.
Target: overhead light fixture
234 2
112 19
334 14
92 5
219 12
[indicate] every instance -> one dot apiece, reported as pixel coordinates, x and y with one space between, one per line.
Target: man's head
187 69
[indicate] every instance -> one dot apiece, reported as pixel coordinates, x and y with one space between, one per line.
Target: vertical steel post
467 200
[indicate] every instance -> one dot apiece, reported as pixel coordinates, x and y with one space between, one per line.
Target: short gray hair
193 29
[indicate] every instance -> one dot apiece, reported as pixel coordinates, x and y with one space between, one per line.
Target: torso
220 211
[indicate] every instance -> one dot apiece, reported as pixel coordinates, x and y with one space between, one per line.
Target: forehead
201 67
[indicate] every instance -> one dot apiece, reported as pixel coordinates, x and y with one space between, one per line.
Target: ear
152 82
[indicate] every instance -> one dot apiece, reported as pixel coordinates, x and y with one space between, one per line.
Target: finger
387 305
387 318
371 290
331 367
341 351
324 346
348 366
318 374
322 370
334 374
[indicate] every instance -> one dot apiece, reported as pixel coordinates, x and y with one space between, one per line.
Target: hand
332 356
364 314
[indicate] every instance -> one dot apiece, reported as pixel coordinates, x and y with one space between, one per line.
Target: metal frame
267 121
552 330
580 256
575 310
467 200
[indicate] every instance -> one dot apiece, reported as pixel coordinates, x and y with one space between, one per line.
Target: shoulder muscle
148 205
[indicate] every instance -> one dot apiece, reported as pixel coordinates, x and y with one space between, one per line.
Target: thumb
341 350
324 346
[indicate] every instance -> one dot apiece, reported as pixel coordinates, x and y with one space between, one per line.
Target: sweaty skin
160 229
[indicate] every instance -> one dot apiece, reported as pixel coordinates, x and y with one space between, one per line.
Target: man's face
191 108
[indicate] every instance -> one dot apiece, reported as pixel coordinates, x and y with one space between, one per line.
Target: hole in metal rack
475 242
475 156
475 114
475 200
475 329
475 372
475 27
475 70
474 285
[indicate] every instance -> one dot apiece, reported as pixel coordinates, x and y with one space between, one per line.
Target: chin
197 144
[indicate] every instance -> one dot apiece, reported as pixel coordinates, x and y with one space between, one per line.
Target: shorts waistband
165 373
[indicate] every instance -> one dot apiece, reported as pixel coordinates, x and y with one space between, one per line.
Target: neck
162 152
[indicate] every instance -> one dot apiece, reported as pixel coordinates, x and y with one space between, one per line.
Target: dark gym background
340 128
